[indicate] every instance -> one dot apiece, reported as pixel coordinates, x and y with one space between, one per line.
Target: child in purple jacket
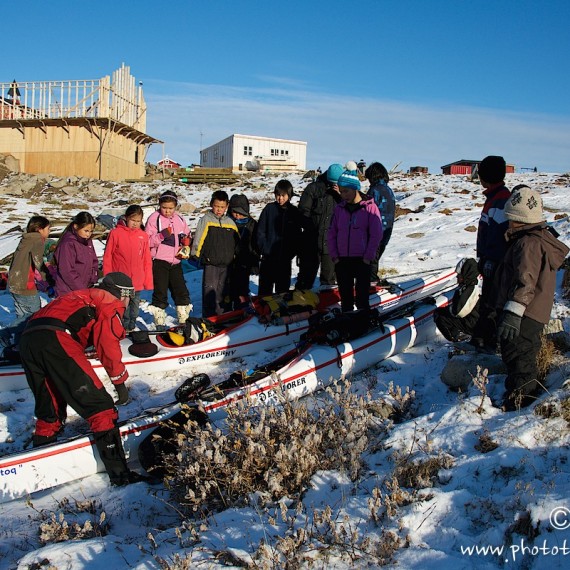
353 238
77 266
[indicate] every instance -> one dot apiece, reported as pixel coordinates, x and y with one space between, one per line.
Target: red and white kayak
294 374
246 336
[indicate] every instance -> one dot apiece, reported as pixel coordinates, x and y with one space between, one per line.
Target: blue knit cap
349 178
333 172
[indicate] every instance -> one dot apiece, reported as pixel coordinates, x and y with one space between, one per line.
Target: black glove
122 394
509 326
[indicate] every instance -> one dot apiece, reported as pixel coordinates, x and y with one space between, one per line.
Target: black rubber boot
112 454
39 440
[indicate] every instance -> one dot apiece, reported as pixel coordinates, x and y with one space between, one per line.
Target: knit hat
168 196
524 205
492 169
349 177
333 172
118 284
239 204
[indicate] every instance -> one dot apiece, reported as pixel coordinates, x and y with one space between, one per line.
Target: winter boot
183 312
39 440
159 316
112 454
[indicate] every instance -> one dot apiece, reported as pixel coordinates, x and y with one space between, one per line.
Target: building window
282 152
222 159
205 156
286 153
215 154
247 151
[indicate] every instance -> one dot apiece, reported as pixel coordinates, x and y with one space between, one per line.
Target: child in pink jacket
128 251
169 236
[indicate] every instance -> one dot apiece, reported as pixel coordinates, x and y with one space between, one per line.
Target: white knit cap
524 205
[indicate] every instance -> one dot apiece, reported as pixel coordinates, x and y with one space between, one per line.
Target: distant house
168 163
466 167
250 152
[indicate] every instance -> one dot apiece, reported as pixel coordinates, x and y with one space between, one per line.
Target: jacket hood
239 204
556 251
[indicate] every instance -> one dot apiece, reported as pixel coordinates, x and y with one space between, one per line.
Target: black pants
486 327
236 289
520 356
168 277
374 264
213 281
274 272
59 374
353 276
452 327
309 261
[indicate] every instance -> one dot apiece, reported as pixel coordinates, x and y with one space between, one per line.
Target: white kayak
246 337
295 375
317 365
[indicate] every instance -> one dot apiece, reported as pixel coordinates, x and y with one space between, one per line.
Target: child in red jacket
128 251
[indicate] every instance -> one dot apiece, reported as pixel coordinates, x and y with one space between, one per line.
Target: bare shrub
90 521
486 443
270 451
326 537
546 357
421 473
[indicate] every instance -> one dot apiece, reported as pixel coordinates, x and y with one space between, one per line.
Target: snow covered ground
487 508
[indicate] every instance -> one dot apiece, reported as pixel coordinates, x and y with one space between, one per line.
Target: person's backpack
273 307
334 328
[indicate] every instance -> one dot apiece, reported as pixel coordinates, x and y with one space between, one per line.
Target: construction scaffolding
96 125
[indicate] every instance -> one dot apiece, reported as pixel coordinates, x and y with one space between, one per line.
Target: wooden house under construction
94 128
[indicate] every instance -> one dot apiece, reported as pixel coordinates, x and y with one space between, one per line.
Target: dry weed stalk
480 381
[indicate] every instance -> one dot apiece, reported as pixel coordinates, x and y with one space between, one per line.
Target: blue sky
421 82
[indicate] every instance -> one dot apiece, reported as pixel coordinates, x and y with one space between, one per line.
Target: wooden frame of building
92 128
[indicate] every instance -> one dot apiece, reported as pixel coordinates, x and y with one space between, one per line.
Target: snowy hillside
458 484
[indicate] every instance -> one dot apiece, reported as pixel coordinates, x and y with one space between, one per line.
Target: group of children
335 226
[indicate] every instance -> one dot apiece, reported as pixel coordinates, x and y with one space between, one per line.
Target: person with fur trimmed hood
353 238
526 284
457 321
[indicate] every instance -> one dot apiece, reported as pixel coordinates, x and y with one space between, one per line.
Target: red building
466 167
168 163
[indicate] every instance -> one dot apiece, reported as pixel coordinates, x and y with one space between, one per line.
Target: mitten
509 326
184 240
168 236
122 394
